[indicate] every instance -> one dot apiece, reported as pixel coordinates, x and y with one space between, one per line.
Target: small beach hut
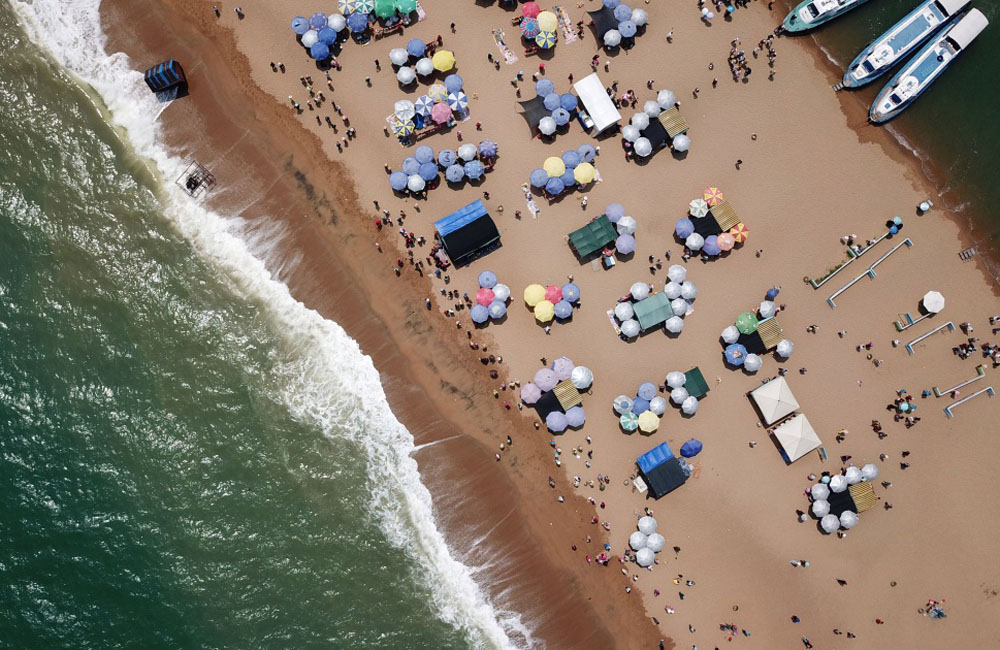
796 437
592 237
774 400
468 233
165 76
596 102
660 470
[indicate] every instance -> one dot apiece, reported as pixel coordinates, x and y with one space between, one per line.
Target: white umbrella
681 142
639 290
679 306
689 291
674 324
678 395
640 121
676 379
612 38
337 22
501 292
630 328
637 540
644 557
785 348
730 334
690 405
404 109
656 542
651 108
933 302
623 404
631 133
767 309
647 525
582 377
467 152
830 523
869 472
406 75
425 67
853 475
819 492
694 241
398 56
665 98
643 147
752 362
677 273
821 508
310 38
547 125
658 405
672 290
838 483
415 183
626 226
848 519
624 311
698 208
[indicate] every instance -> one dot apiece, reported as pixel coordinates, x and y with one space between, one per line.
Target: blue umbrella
568 179
571 292
300 25
711 246
587 152
487 148
544 87
497 310
479 314
423 106
397 181
647 390
623 12
416 47
538 178
556 421
411 166
447 157
575 416
893 229
487 279
563 309
424 154
474 169
319 51
551 102
735 354
611 4
614 212
691 448
428 171
357 22
560 115
684 228
454 173
571 159
554 186
626 28
772 293
568 101
640 405
317 21
327 35
453 83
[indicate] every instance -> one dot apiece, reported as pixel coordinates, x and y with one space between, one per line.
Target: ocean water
189 458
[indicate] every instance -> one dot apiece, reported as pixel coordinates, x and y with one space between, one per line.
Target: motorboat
902 38
813 13
927 65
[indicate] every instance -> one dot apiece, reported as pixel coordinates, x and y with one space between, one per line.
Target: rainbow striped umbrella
545 40
739 232
713 196
529 27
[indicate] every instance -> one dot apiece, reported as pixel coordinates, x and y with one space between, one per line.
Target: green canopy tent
653 311
694 382
593 237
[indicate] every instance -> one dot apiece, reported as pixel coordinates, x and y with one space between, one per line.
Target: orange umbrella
739 233
726 241
713 196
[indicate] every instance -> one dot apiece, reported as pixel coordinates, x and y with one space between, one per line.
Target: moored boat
927 65
813 13
902 38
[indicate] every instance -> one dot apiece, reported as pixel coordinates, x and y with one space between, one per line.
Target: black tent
656 134
604 21
753 343
533 111
468 233
841 502
706 226
547 403
664 478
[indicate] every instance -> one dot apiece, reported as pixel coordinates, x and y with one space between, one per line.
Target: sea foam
326 380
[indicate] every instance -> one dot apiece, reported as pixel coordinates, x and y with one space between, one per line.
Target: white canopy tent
797 437
775 400
597 103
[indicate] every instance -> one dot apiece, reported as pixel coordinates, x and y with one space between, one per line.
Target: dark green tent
593 237
695 383
653 311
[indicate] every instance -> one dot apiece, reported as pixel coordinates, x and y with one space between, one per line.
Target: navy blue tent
165 75
468 233
661 470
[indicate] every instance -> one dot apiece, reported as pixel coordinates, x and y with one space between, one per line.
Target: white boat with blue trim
813 13
900 40
927 65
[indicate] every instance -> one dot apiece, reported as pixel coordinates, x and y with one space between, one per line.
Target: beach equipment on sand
538 178
681 142
545 379
545 39
679 307
647 525
300 25
672 290
713 196
484 296
530 9
453 83
622 404
317 21
869 472
584 173
576 417
458 101
819 492
691 448
397 181
544 311
364 6
648 422
612 38
567 178
530 393
630 328
556 421
582 377
443 60
415 183
933 302
534 294
658 405
423 153
529 28
547 125
643 147
640 17
454 173
746 323
631 133
767 309
838 483
587 152
820 508
560 116
571 292
666 99
639 121
437 92
487 279
676 379
547 21
428 171
689 291
474 169
674 324
310 38
848 519
398 56
614 212
357 22
772 293
678 395
639 405
424 67
830 523
622 12
694 241
656 542
690 405
501 291
467 152
711 246
544 87
785 348
554 166
569 101
627 28
337 22
563 367
479 314
555 186
611 4
497 309
488 148
752 363
853 475
735 354
637 540
624 311
327 35
698 208
405 75
639 290
415 47
384 8
626 226
423 107
651 108
553 293
739 233
644 557
725 241
570 158
684 228
411 166
646 390
730 334
629 421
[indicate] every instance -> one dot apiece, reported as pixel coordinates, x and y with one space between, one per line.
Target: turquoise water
188 458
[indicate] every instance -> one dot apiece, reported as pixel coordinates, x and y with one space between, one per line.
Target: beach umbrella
538 178
475 169
648 422
625 244
479 314
640 17
830 523
689 291
570 158
612 38
553 293
405 75
547 21
666 99
626 226
624 311
853 475
501 291
554 186
582 377
752 363
416 47
446 157
397 181
838 483
713 196
623 12
454 173
869 472
622 404
629 421
529 29
530 9
730 334
643 147
647 525
415 183
639 290
640 405
423 153
497 310
690 405
317 21
639 121
337 22
725 241
556 421
656 542
691 448
453 83
568 179
933 302
630 328
627 28
551 101
739 233
711 246
544 311
772 293
398 56
319 51
678 395
651 108
554 166
584 173
681 142
547 125
785 348
364 6
384 8
767 309
848 519
658 405
746 323
534 294
611 4
674 324
357 22
819 492
405 6
327 35
698 208
646 390
544 87
820 508
684 228
424 67
644 557
458 101
487 279
587 152
631 133
487 148
679 306
467 151
576 417
637 540
545 379
735 354
694 241
410 166
530 393
437 92
423 107
484 296
614 212
428 171
443 60
672 290
300 25
545 39
346 6
563 367
561 116
569 101
310 38
570 292
563 309
676 379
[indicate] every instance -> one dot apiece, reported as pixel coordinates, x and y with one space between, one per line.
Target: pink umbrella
441 113
530 393
726 241
530 10
545 379
484 297
553 293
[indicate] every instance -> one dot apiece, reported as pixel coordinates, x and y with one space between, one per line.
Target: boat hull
795 23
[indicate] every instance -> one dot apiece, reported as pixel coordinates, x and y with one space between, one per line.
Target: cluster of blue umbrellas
561 107
424 166
319 32
491 299
629 22
558 173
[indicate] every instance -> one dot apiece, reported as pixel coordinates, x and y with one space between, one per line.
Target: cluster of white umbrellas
820 493
646 542
679 394
632 132
679 290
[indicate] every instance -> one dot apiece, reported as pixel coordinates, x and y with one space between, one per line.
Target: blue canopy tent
660 470
468 233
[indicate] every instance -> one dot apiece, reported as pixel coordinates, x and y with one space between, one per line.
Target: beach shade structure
639 291
501 291
746 323
560 116
571 292
453 83
740 233
398 56
772 293
364 6
691 448
614 212
563 367
479 314
530 393
735 354
551 101
690 405
337 22
848 519
640 17
711 246
437 92
820 508
428 171
327 35
443 60
497 309
554 166
631 133
556 421
445 157
300 25
713 196
347 6
544 312
570 158
545 379
397 180
725 241
487 279
622 404
424 67
534 294
730 334
774 400
643 147
646 390
553 293
797 438
785 348
678 395
467 152
423 107
630 328
644 557
611 4
752 362
581 377
622 12
674 325
544 88
415 183
587 153
475 169
454 173
319 51
679 306
318 21
547 21
933 302
584 173
838 483
410 165
637 540
651 108
423 153
672 290
648 422
529 29
545 39
538 178
626 226
681 142
569 101
639 121
819 492
357 22
416 47
624 311
612 38
853 475
647 525
310 38
684 228
694 241
530 9
656 542
830 524
869 472
458 101
698 208
767 309
666 99
639 405
576 417
555 186
405 75
658 405
485 296
627 28
547 125
384 9
629 421
488 149
689 291
675 379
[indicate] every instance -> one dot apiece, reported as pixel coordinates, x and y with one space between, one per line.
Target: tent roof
659 454
653 310
661 470
467 232
770 332
752 342
596 102
592 237
968 28
774 399
797 437
604 21
567 394
533 110
695 383
547 403
706 225
656 134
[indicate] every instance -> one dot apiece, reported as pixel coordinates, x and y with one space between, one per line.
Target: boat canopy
963 33
952 7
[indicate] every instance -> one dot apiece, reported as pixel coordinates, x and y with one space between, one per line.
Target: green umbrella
629 421
406 6
365 6
746 323
384 8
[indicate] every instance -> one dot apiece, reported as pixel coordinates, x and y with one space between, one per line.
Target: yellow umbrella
584 173
547 21
554 166
534 294
648 421
443 60
544 311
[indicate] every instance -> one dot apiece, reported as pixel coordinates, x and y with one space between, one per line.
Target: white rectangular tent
797 437
774 400
596 102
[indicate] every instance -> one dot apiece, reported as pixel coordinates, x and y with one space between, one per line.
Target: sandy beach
812 171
